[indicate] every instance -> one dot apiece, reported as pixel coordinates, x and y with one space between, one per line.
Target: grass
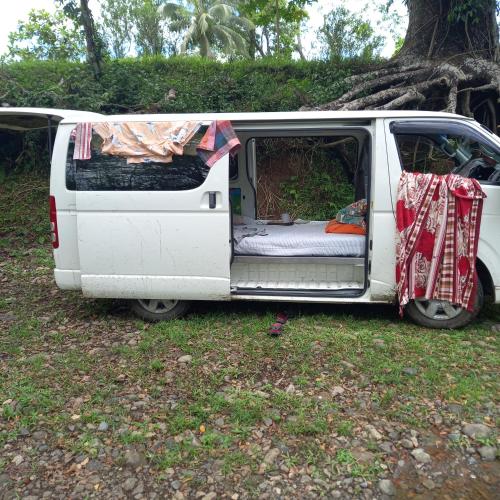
65 355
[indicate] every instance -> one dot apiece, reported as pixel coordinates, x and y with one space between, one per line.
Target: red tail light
53 222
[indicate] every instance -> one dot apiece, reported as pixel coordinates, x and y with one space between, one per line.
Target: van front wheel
443 314
159 309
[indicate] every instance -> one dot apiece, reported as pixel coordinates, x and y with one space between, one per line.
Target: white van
164 235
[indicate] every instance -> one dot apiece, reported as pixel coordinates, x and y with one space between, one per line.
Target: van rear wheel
159 309
443 314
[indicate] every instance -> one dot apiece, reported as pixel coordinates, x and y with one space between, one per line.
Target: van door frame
310 130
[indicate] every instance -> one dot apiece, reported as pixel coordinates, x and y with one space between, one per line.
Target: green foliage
319 195
46 36
150 27
277 25
117 23
141 85
201 85
346 36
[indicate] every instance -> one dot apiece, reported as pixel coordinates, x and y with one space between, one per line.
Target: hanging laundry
146 141
438 220
218 140
82 135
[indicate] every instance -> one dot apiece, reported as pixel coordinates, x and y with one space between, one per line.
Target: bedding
296 240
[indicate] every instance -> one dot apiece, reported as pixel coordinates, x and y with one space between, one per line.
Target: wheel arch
486 279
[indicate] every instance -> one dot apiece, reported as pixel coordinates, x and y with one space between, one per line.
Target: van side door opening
300 259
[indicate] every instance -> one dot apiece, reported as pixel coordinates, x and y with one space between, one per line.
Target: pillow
353 213
338 227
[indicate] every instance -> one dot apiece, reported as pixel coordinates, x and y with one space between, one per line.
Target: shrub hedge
138 85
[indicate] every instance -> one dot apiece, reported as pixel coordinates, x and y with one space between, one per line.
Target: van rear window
112 173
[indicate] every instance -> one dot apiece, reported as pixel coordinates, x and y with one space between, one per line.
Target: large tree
449 61
80 12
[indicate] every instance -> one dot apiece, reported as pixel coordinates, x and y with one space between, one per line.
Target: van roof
286 116
22 119
36 118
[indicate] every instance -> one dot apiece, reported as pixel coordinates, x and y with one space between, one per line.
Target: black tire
461 319
159 309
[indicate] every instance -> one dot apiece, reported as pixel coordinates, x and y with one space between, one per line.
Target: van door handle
212 199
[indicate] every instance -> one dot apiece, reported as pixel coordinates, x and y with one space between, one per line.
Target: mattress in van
296 240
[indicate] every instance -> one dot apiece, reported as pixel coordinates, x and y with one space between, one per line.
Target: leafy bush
142 85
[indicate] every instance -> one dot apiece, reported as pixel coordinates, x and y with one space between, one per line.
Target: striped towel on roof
218 140
83 137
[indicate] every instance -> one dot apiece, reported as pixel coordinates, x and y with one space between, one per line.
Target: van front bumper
68 279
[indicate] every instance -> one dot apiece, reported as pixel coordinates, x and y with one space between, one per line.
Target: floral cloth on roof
438 220
146 141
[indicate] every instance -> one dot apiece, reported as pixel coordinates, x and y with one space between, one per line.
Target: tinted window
444 153
112 173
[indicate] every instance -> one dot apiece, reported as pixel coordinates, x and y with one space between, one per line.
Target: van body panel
489 236
156 244
67 256
67 279
382 222
151 287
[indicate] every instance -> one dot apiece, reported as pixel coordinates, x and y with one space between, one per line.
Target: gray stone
437 419
39 435
187 358
429 484
476 430
387 487
103 427
386 447
488 453
421 456
454 437
267 421
134 459
410 371
129 484
373 433
219 422
363 457
271 456
175 484
455 408
407 443
210 496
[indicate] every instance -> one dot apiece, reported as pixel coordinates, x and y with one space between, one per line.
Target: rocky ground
349 402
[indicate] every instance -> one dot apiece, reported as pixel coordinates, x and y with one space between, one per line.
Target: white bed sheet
296 240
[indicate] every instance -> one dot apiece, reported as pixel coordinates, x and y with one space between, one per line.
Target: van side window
442 153
113 173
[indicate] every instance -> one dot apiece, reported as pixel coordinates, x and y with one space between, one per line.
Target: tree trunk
441 29
94 49
449 62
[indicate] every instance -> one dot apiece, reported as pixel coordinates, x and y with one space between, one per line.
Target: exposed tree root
470 87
